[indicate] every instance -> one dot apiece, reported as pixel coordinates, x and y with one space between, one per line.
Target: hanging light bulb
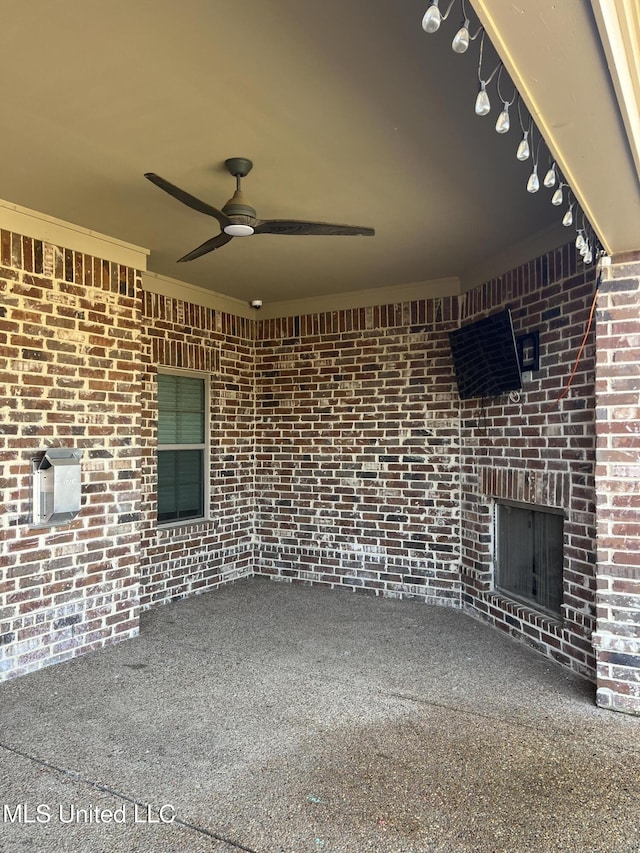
550 177
580 241
460 41
503 124
483 105
432 18
523 148
556 198
567 219
587 257
533 184
585 248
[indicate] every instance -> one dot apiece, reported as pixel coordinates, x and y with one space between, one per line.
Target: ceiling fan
238 217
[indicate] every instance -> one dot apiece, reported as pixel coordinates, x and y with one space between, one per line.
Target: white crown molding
363 298
619 27
39 226
165 286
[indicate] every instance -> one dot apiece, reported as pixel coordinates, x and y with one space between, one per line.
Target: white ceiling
349 111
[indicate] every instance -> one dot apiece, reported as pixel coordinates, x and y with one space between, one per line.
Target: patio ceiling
350 113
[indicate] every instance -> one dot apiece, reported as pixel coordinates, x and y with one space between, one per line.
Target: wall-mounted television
485 357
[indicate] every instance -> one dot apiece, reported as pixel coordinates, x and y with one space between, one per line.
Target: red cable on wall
580 351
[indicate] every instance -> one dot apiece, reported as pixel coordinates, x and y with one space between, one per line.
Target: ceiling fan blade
188 199
299 226
208 246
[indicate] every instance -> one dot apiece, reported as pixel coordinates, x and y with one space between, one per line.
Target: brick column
617 637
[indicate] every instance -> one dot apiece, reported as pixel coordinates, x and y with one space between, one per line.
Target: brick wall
69 377
532 450
81 343
617 640
357 463
193 558
372 475
340 454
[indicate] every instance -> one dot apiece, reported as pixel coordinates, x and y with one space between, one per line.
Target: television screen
485 357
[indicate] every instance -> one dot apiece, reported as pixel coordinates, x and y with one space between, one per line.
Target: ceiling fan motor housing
239 206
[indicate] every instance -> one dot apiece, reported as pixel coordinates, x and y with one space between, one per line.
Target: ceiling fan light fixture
236 229
238 217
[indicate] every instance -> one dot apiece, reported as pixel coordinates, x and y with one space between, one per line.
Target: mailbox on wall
56 487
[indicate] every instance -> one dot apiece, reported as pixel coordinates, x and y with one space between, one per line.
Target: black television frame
485 357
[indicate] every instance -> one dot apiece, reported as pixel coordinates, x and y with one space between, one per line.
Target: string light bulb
483 104
431 23
523 151
503 124
433 17
460 42
533 184
550 177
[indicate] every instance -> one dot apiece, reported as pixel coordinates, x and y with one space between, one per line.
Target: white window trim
206 447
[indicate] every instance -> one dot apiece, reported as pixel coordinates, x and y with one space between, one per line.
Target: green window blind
180 409
180 485
181 447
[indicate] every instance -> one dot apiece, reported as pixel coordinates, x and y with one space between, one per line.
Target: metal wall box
56 487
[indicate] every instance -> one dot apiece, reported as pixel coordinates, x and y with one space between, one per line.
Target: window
529 554
182 430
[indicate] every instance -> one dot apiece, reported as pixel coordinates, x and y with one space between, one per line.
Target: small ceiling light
550 177
567 219
587 257
580 241
432 18
556 198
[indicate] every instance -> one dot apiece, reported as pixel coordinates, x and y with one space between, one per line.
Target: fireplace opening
529 554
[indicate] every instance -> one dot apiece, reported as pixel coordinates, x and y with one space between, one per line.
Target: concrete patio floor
285 719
